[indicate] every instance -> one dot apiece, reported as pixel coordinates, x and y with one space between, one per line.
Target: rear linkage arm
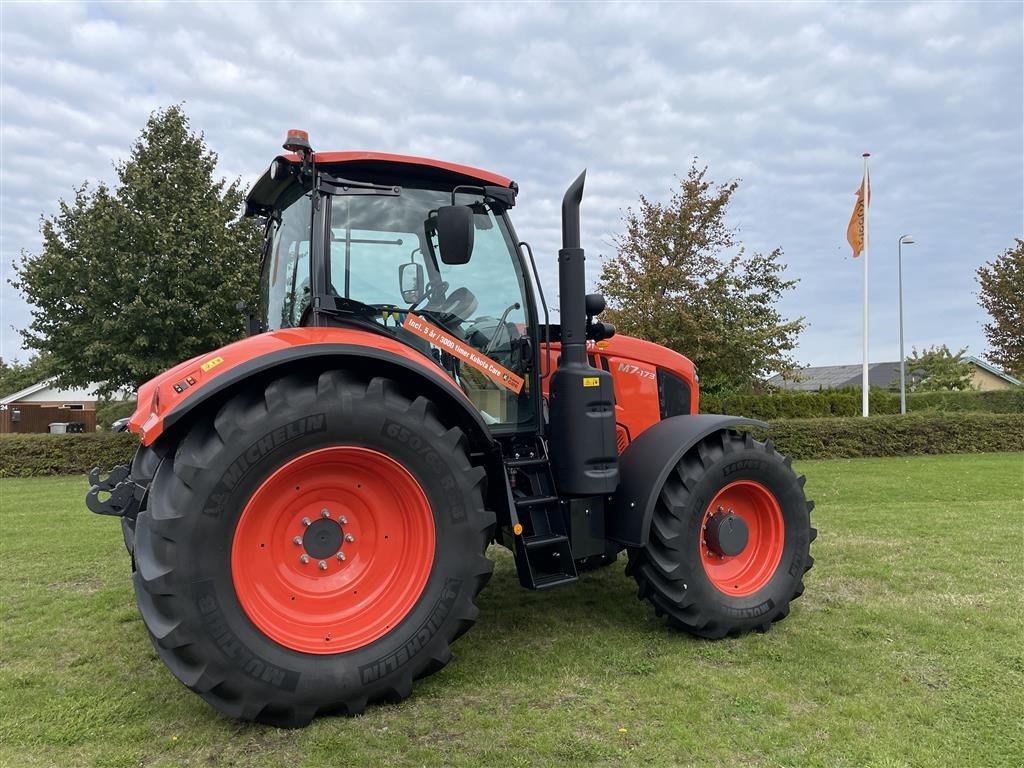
123 500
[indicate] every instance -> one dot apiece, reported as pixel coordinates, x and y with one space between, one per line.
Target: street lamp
905 239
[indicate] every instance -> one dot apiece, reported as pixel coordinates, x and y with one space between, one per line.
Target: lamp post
905 239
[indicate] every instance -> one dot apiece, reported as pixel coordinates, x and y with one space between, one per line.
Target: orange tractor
309 511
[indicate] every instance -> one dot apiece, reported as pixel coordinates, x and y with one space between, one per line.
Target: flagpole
864 368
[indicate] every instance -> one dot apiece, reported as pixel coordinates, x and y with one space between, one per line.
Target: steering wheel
457 307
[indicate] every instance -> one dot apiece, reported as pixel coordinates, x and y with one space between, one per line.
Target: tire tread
656 566
160 588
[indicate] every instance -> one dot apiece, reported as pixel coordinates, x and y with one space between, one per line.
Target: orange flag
855 229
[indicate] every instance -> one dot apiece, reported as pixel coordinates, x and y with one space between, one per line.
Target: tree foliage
1002 296
16 375
681 278
937 368
135 279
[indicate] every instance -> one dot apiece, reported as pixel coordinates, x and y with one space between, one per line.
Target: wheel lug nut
297 540
306 521
325 513
349 537
323 565
341 555
343 520
303 559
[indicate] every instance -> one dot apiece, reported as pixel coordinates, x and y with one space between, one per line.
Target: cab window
284 281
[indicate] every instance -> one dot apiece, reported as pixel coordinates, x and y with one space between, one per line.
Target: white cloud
784 96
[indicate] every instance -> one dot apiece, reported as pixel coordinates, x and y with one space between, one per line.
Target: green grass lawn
906 650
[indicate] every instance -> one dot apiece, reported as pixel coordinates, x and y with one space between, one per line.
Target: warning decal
462 351
211 364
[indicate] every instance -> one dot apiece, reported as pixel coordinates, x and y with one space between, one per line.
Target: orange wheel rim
742 507
333 550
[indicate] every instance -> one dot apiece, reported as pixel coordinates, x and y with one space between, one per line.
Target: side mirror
455 233
594 304
411 282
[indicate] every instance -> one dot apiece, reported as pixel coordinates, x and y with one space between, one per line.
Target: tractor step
530 501
519 463
532 542
555 580
543 550
549 561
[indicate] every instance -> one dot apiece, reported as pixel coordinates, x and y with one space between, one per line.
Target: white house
34 408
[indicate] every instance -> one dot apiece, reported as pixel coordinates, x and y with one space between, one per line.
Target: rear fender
163 410
414 377
645 465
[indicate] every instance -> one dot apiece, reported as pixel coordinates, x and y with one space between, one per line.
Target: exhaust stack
572 277
584 455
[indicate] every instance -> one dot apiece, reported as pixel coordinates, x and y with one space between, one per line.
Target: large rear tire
316 547
144 465
729 540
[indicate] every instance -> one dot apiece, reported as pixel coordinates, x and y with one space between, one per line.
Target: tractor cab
409 248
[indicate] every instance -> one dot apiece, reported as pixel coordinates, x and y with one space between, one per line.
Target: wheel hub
742 539
333 549
727 534
323 539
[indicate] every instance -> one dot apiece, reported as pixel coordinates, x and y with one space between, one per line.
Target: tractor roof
373 164
339 158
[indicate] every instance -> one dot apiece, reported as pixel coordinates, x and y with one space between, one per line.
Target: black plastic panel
674 395
645 464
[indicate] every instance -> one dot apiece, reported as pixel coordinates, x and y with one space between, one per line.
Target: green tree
937 368
1002 296
16 375
135 279
682 279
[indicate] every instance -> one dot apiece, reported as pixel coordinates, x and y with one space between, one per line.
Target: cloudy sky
785 97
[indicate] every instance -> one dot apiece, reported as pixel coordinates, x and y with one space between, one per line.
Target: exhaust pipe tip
571 212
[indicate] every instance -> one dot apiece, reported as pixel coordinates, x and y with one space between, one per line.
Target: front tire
729 541
316 547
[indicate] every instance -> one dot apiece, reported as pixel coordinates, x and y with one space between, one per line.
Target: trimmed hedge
36 455
827 438
910 435
847 402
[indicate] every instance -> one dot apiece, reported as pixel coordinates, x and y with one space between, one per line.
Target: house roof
22 393
59 393
838 377
883 375
993 370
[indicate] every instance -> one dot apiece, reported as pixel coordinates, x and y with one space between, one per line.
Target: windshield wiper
337 186
340 305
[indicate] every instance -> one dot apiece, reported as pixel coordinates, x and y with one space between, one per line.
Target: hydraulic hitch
120 498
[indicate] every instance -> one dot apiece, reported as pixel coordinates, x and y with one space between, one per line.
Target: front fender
645 464
166 400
